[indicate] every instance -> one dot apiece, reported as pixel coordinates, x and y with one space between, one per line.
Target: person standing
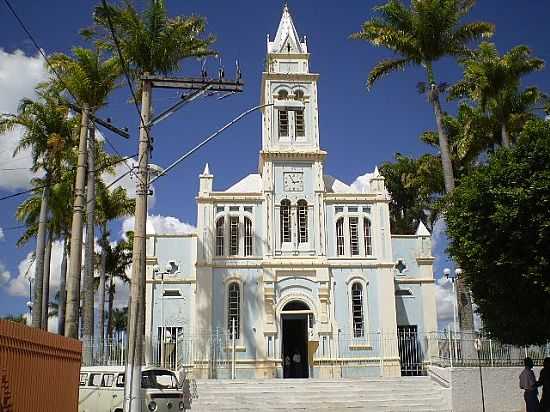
528 383
544 381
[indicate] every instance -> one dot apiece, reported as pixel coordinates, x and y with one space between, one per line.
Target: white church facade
291 261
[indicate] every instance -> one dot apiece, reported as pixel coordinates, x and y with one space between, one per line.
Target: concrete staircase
418 394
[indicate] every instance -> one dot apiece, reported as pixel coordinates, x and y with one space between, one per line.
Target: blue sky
359 129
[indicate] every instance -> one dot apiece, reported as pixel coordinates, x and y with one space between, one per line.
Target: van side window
83 379
95 379
108 379
120 381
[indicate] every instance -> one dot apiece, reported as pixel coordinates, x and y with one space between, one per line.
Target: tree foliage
415 186
499 228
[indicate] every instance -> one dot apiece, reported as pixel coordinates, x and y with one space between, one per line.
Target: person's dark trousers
531 401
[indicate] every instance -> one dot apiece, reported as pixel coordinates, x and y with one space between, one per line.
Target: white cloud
166 225
362 183
19 286
19 75
4 275
444 301
1 234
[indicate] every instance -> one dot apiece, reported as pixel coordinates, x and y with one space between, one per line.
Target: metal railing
217 353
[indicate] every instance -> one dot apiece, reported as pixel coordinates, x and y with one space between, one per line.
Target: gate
410 352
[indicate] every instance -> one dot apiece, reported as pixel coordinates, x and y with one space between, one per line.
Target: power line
52 183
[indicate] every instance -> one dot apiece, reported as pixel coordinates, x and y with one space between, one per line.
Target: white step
418 394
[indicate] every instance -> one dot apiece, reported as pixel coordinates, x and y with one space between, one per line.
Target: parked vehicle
102 390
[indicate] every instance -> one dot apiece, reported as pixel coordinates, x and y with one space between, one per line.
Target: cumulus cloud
162 225
1 234
4 275
444 301
362 183
19 75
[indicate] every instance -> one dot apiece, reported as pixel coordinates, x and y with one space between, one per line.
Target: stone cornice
425 260
219 197
306 154
290 76
172 281
408 280
297 263
355 197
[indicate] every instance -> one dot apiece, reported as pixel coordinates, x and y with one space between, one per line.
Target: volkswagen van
102 390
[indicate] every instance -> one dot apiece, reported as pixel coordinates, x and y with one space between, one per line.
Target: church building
291 272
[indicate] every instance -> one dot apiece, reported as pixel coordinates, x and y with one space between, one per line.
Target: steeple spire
286 39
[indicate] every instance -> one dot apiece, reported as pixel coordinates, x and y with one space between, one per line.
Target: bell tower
292 121
291 161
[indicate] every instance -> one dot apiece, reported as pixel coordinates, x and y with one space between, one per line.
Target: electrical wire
53 183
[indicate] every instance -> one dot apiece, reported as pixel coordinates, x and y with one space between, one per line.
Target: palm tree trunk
102 292
73 284
88 283
39 259
446 162
110 309
136 302
506 142
46 281
62 290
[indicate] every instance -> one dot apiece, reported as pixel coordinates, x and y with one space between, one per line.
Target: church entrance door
294 326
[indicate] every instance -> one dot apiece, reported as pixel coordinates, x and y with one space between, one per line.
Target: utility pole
136 302
75 260
88 283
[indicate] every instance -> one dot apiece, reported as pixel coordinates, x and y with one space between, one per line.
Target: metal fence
216 353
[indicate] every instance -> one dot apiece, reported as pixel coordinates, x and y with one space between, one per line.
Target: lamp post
29 302
156 271
477 346
453 279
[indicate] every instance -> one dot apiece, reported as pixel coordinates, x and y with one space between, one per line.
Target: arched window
282 95
367 236
234 235
340 237
247 237
233 308
220 229
299 94
357 310
302 221
285 221
354 235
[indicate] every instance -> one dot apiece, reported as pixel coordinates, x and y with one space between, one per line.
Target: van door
93 395
117 394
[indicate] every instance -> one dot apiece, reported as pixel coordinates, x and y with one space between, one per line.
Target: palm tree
112 205
118 259
151 43
421 34
89 79
48 134
493 82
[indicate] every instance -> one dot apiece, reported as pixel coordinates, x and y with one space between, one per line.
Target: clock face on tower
293 181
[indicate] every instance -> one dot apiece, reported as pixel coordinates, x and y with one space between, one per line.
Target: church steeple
286 39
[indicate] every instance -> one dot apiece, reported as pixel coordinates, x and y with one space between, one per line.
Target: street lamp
454 279
156 271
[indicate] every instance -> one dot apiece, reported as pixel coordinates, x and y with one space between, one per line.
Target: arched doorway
294 326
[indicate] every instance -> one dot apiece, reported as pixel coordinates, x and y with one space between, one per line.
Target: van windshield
158 379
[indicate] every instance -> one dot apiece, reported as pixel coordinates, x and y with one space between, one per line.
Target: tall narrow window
285 221
302 221
247 237
233 309
357 310
354 235
220 229
283 123
234 235
300 123
367 236
340 237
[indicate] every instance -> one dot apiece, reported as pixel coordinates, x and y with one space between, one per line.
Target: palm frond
384 68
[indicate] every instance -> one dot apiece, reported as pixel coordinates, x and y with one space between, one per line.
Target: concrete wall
500 385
